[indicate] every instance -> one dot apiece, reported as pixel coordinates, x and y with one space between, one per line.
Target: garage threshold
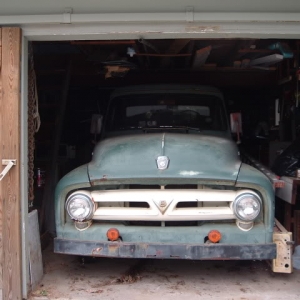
68 277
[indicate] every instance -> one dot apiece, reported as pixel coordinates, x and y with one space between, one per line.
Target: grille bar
164 205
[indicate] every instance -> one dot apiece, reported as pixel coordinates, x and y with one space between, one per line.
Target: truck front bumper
166 250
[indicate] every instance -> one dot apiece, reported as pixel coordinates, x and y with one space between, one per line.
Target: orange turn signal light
214 236
113 234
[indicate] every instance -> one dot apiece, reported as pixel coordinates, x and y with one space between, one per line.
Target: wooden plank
201 56
289 192
10 149
35 253
267 60
1 241
280 226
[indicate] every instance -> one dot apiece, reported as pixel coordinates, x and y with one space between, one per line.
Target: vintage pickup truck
166 181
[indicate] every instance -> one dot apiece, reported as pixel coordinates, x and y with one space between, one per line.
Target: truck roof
166 88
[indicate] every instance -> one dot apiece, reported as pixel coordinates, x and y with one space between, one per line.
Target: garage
75 65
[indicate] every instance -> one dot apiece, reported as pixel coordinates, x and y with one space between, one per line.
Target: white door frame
24 167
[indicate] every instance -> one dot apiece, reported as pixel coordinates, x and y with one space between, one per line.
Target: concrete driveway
66 277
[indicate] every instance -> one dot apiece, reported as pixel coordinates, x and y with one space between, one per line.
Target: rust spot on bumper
113 249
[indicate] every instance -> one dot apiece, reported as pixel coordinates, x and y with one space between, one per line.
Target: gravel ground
66 277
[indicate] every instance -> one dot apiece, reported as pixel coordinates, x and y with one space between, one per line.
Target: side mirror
236 125
96 124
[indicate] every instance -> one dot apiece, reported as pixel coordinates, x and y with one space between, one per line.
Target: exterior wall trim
161 30
186 16
188 24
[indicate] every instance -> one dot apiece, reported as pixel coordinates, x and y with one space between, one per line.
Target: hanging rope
34 123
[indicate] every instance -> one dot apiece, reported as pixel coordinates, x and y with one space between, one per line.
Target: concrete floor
124 279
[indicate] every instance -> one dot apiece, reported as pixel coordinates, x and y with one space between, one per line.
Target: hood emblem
162 162
163 205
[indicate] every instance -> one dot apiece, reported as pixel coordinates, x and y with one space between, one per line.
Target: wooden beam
201 56
10 149
0 47
175 47
189 50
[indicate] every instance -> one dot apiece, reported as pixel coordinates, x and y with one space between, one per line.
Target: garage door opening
252 74
75 79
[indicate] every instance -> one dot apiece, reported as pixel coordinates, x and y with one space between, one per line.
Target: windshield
154 111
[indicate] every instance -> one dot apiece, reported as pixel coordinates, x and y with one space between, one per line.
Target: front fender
252 178
76 179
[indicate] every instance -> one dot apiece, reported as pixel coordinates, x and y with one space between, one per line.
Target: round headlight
247 206
80 206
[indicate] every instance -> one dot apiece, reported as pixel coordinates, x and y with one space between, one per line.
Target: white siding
29 7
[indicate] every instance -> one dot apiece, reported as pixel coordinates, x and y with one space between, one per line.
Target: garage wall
131 19
33 7
10 202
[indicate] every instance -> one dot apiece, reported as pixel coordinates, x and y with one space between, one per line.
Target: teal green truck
166 181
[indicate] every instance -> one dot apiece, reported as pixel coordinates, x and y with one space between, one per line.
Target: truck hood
191 156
